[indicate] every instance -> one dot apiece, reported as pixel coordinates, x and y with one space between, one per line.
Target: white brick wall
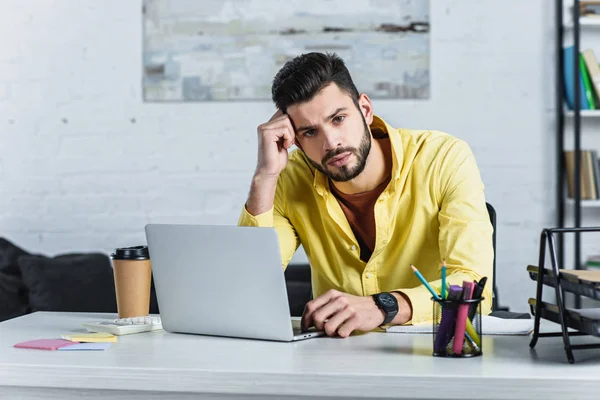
85 164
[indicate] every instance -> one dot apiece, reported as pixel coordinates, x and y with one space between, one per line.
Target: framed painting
228 50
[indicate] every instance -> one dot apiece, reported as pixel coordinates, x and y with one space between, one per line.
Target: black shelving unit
560 135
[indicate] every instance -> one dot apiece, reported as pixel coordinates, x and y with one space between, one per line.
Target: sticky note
96 337
85 346
44 344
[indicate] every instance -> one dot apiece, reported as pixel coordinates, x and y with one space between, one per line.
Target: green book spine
589 92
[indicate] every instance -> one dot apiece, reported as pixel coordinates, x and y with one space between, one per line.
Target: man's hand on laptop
340 314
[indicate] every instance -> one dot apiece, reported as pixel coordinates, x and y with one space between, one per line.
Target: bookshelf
570 26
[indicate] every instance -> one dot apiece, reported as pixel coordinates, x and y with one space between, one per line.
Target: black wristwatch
388 304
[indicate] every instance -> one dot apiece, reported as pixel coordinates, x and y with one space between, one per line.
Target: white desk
375 365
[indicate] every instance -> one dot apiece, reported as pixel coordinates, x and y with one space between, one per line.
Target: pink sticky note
44 344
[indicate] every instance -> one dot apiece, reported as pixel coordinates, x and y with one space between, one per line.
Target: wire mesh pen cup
457 328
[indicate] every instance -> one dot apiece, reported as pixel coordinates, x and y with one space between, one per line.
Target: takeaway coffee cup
133 273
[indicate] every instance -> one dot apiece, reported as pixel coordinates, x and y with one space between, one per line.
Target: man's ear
366 107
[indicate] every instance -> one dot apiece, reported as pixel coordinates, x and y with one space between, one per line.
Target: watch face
387 300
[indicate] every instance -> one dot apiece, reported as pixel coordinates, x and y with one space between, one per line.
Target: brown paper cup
132 285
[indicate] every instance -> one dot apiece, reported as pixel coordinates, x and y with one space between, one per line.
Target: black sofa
83 282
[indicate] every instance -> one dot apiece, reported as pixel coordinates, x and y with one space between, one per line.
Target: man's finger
279 133
314 305
306 319
289 134
291 138
327 311
307 316
348 326
335 322
276 125
288 141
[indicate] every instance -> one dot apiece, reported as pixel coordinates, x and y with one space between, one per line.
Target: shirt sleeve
276 218
465 231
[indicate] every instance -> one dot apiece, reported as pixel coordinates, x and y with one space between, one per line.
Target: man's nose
332 140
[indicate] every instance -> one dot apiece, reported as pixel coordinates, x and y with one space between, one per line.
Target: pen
444 278
462 317
422 279
474 345
454 293
477 291
470 330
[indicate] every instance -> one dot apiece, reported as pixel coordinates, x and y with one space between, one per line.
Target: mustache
332 153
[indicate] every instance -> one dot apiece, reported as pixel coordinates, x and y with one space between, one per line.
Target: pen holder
457 328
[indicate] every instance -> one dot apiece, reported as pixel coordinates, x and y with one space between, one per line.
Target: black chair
299 289
495 306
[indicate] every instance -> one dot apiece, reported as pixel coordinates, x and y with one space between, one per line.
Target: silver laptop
221 281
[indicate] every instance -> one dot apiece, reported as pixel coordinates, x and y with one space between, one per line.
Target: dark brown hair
303 77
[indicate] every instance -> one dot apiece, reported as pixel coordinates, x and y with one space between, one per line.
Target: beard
346 173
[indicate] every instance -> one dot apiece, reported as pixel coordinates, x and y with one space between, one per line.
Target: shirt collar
321 183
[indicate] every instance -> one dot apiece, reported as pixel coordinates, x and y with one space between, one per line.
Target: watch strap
389 317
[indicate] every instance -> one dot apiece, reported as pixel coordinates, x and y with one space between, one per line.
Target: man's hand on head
340 314
275 137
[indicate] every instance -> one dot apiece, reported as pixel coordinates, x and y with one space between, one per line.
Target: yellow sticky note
95 337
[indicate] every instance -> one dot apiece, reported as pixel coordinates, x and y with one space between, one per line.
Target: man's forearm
262 194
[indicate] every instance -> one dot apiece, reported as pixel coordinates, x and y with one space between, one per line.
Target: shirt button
368 276
353 247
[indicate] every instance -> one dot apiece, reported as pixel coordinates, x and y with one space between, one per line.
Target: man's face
333 133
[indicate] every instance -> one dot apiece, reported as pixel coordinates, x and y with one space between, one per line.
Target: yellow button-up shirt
433 208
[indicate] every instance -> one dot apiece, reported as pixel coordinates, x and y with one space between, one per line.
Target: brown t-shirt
359 209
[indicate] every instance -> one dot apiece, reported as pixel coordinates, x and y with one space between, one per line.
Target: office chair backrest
492 214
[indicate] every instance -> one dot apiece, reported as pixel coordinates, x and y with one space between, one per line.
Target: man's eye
309 132
338 119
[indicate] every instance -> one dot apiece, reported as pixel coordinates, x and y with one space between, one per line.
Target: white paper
489 326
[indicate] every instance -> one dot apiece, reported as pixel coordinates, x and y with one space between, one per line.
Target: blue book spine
569 59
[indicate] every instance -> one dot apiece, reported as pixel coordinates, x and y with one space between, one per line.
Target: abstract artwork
214 50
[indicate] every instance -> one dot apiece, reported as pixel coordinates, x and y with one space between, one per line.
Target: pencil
424 281
444 278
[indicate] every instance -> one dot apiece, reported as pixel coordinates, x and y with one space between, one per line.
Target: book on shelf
589 8
593 70
590 94
593 262
593 159
569 73
589 174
